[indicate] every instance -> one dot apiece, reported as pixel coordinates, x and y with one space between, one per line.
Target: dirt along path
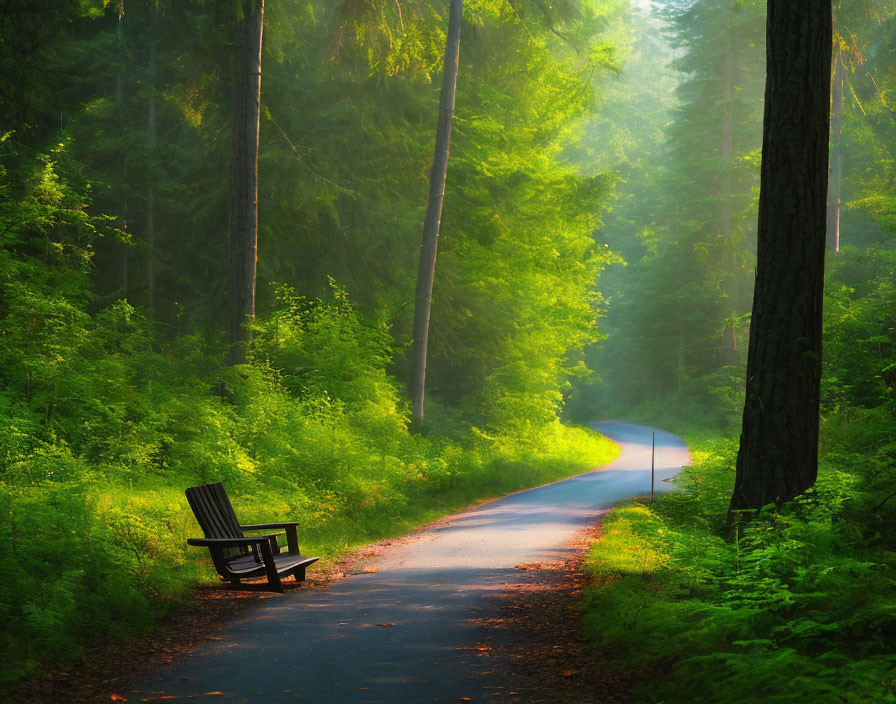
437 618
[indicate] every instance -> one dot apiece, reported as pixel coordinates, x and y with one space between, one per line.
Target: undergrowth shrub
104 421
794 606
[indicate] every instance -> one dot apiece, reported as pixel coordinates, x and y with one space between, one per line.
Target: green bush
795 606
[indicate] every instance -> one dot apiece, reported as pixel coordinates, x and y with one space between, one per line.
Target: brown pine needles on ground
536 646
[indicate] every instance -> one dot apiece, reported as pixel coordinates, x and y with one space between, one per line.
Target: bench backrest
213 510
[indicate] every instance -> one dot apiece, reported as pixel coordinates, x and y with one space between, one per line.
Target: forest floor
534 649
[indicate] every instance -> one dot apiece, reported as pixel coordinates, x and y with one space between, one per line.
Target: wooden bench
237 556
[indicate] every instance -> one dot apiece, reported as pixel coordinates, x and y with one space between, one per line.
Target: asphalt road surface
328 646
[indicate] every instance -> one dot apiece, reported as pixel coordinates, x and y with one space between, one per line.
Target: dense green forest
596 259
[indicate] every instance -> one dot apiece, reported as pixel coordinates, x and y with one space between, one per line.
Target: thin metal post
652 463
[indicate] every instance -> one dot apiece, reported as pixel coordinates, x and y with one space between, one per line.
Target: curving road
327 647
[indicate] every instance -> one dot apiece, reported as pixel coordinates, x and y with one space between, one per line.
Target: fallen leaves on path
538 651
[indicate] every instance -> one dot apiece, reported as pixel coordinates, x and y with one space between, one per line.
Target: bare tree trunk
119 103
835 187
125 246
244 176
151 193
729 355
778 457
426 271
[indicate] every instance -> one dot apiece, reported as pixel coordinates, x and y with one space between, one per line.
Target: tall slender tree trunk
150 233
729 355
151 191
126 247
244 176
151 246
429 247
119 103
835 187
778 457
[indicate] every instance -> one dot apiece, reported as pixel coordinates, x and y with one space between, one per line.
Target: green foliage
797 603
796 606
106 419
685 219
514 291
685 216
860 345
312 429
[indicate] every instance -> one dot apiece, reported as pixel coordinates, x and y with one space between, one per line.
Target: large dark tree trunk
836 178
778 456
244 175
426 271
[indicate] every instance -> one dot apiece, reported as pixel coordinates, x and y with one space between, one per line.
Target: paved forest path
407 633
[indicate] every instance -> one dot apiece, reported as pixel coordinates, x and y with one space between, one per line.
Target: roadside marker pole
652 462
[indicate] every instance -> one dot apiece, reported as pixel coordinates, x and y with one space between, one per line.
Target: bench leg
299 574
270 567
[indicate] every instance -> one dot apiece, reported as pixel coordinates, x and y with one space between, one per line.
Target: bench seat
247 566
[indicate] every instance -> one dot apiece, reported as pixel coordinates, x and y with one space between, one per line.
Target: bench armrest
230 542
292 540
